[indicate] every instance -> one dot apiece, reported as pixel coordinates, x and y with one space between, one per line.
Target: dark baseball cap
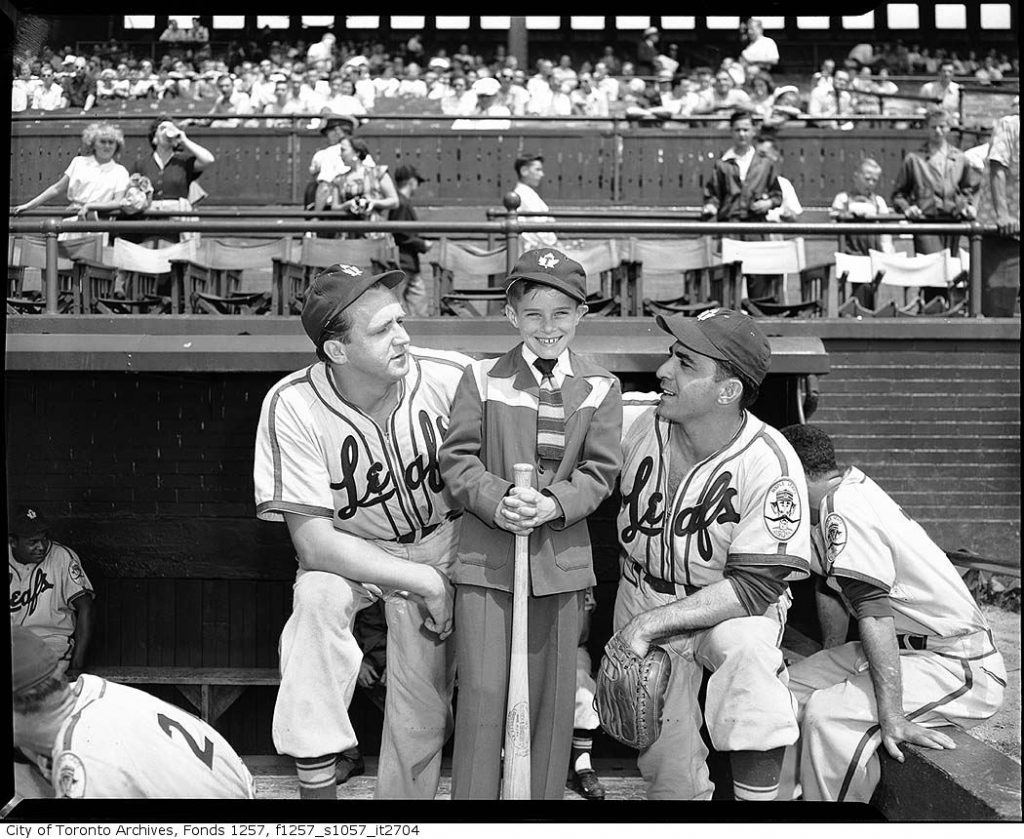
32 662
725 335
405 172
335 289
339 121
551 268
28 521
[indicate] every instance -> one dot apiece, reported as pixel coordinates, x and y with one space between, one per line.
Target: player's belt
912 642
416 535
659 585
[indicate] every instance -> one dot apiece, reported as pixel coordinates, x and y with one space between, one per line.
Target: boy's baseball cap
725 335
335 289
28 521
551 268
32 662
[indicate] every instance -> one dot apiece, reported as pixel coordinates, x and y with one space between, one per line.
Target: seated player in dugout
50 593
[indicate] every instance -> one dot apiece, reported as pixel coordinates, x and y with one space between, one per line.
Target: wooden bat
515 782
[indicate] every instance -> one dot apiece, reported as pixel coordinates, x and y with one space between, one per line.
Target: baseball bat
515 782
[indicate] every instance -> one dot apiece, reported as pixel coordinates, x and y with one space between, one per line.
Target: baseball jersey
744 506
319 455
42 596
864 535
119 742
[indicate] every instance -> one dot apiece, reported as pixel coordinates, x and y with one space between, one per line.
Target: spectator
343 99
999 204
885 85
647 52
587 100
604 82
935 184
863 55
832 100
48 96
144 85
172 33
460 102
862 202
824 75
762 96
486 91
206 88
989 72
668 65
281 104
564 72
945 90
412 85
410 245
199 34
863 91
414 50
734 69
365 91
21 89
230 102
365 192
530 173
512 96
50 594
744 186
322 50
540 84
173 167
723 97
762 51
326 163
94 182
610 61
437 89
463 56
386 84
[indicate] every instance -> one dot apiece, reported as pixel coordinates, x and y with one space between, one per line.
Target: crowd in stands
263 84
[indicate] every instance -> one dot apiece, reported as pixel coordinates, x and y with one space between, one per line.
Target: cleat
587 784
350 765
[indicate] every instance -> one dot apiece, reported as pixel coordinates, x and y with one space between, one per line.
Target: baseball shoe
587 784
350 765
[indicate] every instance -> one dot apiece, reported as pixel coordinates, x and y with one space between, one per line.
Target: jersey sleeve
774 527
289 471
855 543
634 404
74 582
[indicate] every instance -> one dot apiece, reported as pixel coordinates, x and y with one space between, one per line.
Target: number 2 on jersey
205 754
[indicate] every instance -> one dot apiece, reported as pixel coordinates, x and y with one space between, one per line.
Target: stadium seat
674 276
456 265
769 258
909 274
30 252
212 283
291 278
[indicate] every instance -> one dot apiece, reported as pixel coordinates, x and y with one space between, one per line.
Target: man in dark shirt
80 87
647 53
410 246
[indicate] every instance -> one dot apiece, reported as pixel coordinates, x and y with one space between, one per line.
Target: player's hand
635 636
896 730
368 675
440 603
761 205
913 212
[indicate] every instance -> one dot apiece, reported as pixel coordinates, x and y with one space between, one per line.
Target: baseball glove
631 693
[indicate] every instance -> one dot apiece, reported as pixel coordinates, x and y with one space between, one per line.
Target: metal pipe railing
508 228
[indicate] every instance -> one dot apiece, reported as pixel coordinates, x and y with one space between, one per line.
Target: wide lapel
575 388
512 364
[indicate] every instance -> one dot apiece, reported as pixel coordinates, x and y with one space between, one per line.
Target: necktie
550 414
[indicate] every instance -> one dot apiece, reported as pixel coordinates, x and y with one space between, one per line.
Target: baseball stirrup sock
755 775
316 776
582 743
550 414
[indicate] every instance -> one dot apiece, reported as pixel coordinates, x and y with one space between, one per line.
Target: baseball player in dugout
925 657
97 739
49 591
539 404
346 455
713 527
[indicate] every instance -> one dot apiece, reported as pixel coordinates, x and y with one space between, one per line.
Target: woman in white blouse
94 182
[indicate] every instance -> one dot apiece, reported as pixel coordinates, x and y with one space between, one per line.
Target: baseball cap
650 30
32 662
28 521
725 335
335 289
70 59
336 120
405 172
550 267
486 86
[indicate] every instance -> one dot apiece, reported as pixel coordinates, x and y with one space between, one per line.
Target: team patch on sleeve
782 509
836 535
69 776
75 571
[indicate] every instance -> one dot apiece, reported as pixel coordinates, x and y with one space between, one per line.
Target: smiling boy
539 403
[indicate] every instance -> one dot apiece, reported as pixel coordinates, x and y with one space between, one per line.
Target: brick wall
937 425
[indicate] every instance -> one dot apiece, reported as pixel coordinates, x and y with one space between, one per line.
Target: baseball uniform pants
955 680
585 715
320 661
483 639
747 707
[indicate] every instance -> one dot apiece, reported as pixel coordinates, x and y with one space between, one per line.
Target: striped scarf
550 414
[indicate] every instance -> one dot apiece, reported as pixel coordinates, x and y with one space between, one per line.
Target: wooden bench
211 690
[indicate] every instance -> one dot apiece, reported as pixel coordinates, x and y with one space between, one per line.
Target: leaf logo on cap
710 313
30 514
548 260
351 270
